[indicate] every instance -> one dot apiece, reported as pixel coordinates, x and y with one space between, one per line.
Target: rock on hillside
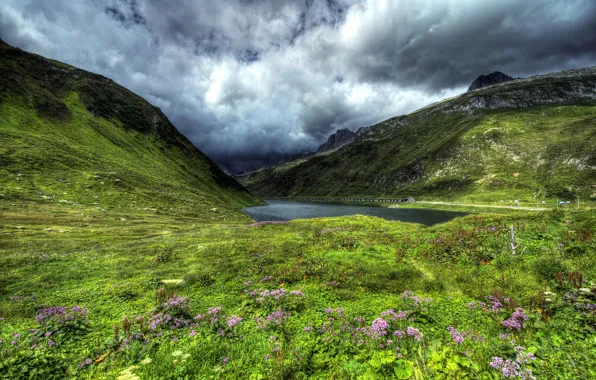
339 138
489 80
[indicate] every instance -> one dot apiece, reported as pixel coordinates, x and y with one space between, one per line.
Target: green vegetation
71 137
123 255
447 151
131 275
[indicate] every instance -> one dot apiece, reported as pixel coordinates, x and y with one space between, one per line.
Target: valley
125 253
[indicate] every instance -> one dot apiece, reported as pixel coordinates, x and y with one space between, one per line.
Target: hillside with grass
530 139
345 298
72 137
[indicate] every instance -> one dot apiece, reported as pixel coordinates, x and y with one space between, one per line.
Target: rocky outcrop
489 80
340 138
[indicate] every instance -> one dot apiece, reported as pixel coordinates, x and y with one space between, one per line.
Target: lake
285 210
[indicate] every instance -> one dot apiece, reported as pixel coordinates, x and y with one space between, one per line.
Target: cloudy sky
246 80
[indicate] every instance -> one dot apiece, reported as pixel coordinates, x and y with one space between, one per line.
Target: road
485 206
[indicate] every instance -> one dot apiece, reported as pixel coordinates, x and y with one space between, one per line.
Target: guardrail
339 199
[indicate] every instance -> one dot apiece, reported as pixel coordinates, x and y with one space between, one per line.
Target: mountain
72 137
340 138
523 139
489 80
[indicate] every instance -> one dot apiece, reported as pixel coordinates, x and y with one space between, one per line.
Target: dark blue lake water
285 210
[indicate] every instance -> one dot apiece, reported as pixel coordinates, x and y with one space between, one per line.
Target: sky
248 81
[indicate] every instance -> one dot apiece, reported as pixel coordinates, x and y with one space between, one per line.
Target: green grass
57 255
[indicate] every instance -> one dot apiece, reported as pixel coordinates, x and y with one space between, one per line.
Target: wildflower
308 328
407 294
267 357
60 315
398 333
510 368
266 278
379 327
226 360
399 355
85 363
34 346
192 333
51 343
516 322
456 336
389 342
275 318
248 283
496 304
233 321
16 335
411 331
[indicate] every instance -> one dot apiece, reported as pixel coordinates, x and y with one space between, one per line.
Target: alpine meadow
347 189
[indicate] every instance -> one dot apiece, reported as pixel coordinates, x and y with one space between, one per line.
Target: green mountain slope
527 139
73 137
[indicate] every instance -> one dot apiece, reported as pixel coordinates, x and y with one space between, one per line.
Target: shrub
547 267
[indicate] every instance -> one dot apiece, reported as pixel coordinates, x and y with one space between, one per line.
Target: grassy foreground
91 294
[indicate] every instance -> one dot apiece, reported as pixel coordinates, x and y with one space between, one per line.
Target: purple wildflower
233 321
413 332
456 336
516 322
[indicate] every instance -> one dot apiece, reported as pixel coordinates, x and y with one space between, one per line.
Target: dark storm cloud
251 80
449 43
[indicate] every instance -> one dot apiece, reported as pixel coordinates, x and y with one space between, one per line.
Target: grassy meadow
86 293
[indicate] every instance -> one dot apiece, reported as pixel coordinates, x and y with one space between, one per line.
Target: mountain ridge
63 122
402 156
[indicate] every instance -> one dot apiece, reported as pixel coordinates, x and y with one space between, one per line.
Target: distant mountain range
345 136
76 138
505 139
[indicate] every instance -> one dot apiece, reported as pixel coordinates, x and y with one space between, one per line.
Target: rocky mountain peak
339 138
489 80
